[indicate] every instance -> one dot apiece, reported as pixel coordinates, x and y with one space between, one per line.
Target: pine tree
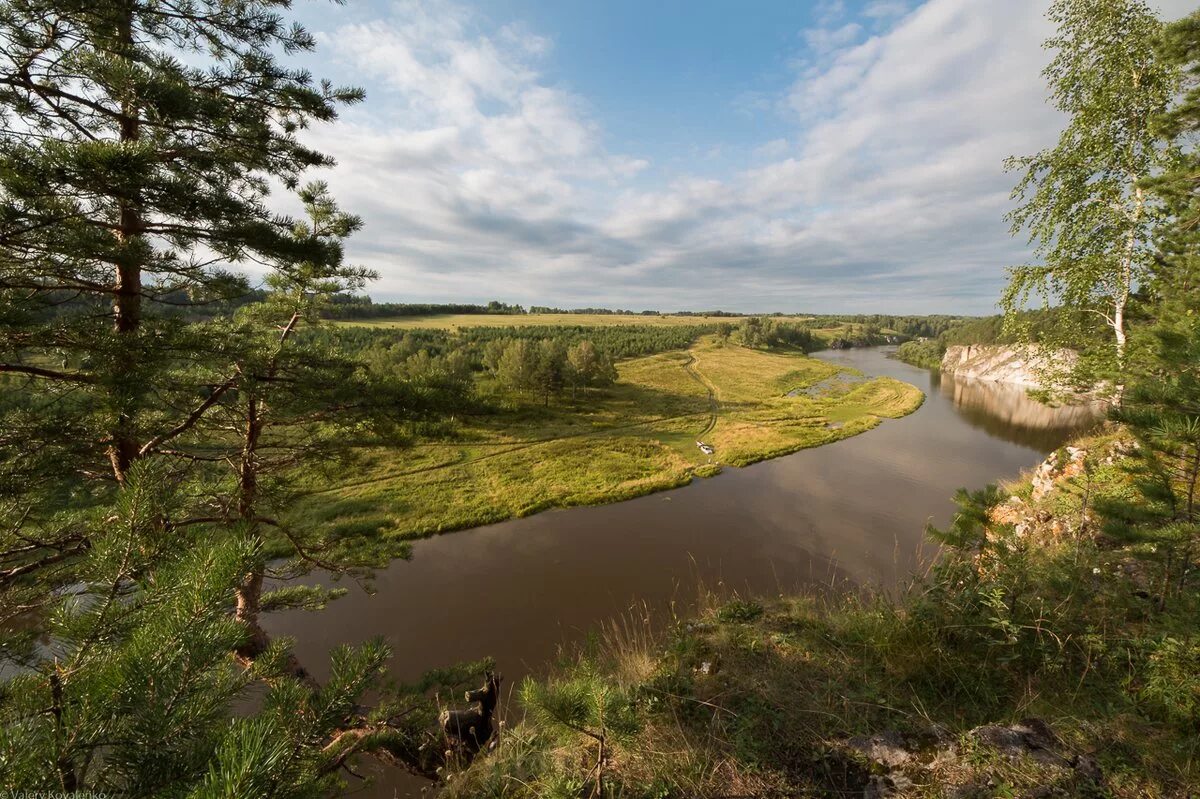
294 401
517 367
137 142
134 690
585 705
549 368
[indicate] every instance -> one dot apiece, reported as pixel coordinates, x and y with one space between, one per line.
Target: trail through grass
713 402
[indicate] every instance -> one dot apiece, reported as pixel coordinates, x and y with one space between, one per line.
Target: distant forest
359 306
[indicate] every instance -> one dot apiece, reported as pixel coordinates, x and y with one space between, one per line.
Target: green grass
633 439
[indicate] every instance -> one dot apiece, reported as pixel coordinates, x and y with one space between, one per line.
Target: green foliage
618 341
134 689
584 704
925 354
739 610
119 161
546 367
588 367
145 437
1081 200
1043 325
360 306
969 524
765 332
1171 689
1162 404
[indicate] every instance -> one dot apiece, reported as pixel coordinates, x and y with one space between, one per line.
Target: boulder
1032 737
887 748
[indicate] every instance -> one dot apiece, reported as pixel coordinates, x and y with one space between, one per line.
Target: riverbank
850 513
1041 657
636 438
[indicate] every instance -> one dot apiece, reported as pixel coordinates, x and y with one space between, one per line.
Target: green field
635 438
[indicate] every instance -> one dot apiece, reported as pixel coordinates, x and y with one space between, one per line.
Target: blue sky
657 72
831 155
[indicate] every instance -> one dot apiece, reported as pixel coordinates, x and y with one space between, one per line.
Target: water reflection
1006 411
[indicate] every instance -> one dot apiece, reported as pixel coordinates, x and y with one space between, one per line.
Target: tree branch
49 374
191 419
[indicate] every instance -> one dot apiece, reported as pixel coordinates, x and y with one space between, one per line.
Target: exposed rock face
1059 467
1050 471
1016 365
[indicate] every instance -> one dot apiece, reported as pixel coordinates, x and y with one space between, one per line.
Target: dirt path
714 401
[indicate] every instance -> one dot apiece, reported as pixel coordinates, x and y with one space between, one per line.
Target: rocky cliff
1015 365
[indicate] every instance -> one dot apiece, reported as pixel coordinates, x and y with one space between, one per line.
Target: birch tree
1081 201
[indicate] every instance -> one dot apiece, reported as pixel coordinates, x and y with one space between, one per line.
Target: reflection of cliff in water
1007 412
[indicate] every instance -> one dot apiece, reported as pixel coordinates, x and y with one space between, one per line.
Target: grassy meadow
602 446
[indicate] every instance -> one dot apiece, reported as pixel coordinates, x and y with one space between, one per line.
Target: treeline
730 314
766 332
906 325
545 309
445 381
548 366
617 341
360 306
1025 327
442 371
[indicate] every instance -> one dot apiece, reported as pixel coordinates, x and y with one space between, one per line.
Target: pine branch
49 374
191 420
8 576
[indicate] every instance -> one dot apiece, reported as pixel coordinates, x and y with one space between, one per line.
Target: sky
764 155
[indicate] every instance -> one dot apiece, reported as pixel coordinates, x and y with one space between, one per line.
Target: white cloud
775 148
885 9
827 12
478 178
824 40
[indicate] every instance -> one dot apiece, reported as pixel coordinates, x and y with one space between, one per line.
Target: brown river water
851 513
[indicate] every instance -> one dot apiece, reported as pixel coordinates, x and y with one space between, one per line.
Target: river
850 513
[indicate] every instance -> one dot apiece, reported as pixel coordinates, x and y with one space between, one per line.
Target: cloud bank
478 178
